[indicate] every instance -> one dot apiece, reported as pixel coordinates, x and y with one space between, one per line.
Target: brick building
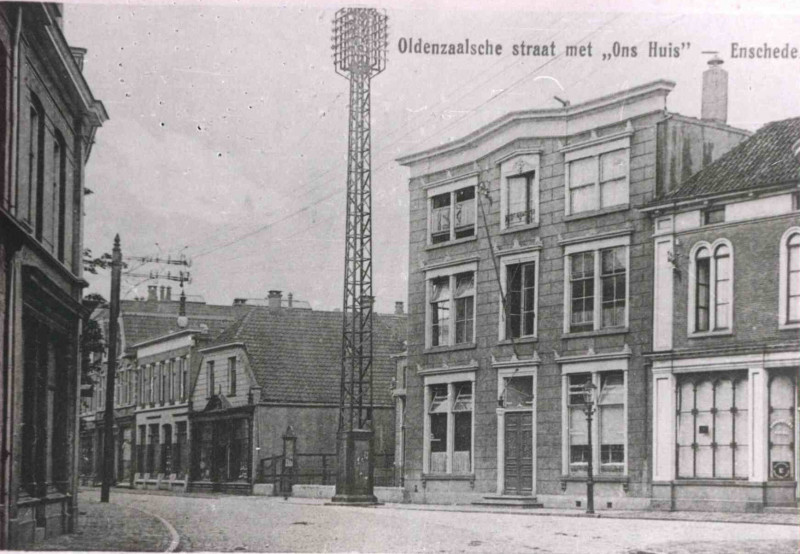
274 368
726 355
541 210
157 353
48 120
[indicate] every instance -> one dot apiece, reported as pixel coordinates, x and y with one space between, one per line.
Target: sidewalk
110 527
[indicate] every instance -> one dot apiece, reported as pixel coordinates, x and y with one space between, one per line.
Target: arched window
711 288
789 294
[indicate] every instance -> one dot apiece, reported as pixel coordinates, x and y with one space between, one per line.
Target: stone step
782 510
512 501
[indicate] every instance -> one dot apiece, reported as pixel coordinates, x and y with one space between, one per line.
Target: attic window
714 215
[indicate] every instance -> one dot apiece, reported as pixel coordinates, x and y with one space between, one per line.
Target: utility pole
111 370
359 53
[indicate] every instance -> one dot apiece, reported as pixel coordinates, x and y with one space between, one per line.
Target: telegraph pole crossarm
111 369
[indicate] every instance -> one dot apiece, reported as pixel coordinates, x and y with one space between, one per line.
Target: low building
726 318
277 369
151 385
48 121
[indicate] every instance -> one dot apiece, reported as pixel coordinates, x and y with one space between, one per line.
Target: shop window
712 426
609 430
450 421
450 294
452 215
782 410
711 286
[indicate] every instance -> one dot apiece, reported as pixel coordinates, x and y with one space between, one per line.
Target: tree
92 340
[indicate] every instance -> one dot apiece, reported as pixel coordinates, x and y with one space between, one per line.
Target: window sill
450 348
597 333
448 477
516 228
601 478
451 243
520 340
595 213
788 326
707 334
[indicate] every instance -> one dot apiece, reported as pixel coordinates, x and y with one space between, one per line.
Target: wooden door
518 453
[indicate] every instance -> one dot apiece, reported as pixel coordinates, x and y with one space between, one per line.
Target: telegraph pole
359 53
111 370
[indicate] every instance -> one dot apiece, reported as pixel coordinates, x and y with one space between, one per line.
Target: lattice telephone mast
359 54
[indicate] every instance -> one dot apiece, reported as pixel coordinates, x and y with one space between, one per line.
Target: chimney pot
274 299
152 293
398 308
169 294
289 298
715 92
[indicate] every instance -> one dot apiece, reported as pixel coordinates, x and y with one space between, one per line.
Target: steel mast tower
359 53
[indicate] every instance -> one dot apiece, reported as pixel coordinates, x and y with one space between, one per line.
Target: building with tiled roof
274 368
726 317
158 357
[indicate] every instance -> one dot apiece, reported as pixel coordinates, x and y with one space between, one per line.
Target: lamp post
589 409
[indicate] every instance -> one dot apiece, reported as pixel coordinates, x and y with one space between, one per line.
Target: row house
278 369
48 121
726 320
157 349
531 276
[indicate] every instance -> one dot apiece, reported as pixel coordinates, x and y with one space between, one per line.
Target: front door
518 453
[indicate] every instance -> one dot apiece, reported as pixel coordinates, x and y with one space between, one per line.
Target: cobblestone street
228 523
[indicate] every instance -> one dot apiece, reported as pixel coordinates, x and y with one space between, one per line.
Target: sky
227 136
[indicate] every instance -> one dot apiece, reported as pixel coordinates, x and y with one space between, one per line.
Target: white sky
228 119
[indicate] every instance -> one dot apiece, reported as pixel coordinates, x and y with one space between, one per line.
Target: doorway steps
787 509
509 501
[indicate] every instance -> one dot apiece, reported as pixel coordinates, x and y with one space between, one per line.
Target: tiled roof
762 160
295 355
143 320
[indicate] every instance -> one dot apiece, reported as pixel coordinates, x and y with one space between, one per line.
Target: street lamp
589 409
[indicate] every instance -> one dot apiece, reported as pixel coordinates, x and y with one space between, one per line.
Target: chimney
715 92
398 308
274 299
239 301
289 299
168 294
152 293
162 293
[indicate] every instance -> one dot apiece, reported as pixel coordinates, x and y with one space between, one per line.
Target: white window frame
596 150
451 188
595 369
523 165
783 291
712 302
449 379
451 272
505 261
596 247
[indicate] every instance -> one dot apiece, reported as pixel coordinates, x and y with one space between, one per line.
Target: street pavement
111 527
270 524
